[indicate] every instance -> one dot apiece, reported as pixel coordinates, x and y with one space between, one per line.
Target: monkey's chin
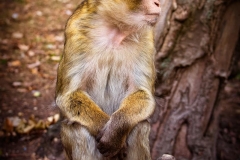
151 22
152 19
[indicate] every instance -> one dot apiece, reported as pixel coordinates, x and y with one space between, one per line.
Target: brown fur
105 80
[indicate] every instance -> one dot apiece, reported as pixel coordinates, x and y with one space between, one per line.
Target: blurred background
197 116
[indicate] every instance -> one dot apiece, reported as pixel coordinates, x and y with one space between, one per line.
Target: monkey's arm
135 108
80 108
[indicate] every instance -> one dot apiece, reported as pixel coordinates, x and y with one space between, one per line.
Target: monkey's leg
78 143
138 142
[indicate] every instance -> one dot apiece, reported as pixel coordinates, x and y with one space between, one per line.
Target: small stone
15 15
39 13
68 12
36 93
167 157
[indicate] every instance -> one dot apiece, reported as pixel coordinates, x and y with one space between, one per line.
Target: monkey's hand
112 141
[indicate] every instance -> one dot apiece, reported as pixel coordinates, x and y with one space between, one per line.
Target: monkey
105 80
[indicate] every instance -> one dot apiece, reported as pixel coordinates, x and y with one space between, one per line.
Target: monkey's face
131 13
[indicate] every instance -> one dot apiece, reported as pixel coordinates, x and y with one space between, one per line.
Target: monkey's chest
108 82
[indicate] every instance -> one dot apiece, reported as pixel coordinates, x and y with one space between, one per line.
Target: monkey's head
130 13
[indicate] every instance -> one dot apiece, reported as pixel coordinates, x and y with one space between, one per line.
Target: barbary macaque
105 80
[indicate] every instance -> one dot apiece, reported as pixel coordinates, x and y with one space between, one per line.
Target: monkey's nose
157 3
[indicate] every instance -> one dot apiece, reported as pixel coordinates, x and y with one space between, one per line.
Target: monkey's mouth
152 18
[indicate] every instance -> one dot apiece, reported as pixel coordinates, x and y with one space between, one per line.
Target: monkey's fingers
99 136
107 149
122 154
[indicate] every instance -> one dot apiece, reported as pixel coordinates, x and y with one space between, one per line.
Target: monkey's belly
108 92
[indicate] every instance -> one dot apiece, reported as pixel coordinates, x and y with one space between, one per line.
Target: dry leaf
34 65
23 47
17 35
50 119
8 126
59 38
34 71
40 125
51 46
15 63
15 121
31 53
53 119
22 90
1 133
28 128
21 126
55 58
56 117
16 84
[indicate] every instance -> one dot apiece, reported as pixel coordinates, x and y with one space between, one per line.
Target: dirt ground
31 42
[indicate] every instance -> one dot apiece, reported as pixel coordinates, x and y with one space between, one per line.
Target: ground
31 43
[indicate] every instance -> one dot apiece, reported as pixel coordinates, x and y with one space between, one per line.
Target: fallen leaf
15 63
31 53
55 58
40 125
17 35
1 135
28 128
20 114
15 121
4 41
59 38
23 47
56 117
53 119
34 71
51 46
34 65
50 119
39 13
45 158
21 126
16 84
7 125
22 90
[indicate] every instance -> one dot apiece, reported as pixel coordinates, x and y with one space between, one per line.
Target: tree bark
196 42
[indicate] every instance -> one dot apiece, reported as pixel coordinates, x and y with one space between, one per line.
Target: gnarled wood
194 52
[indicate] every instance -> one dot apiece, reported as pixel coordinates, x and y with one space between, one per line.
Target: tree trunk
196 42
